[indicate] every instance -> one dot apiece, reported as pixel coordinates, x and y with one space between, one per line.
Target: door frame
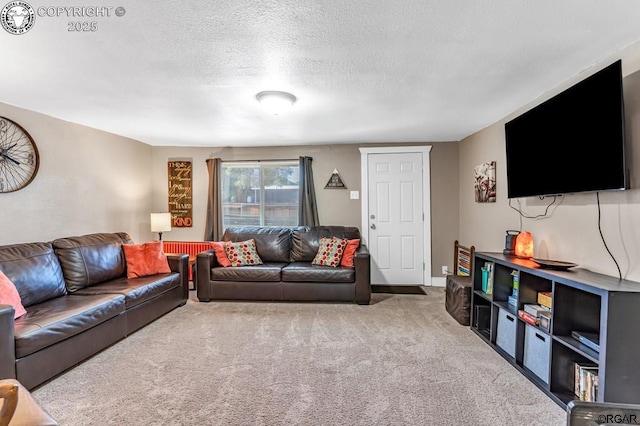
426 196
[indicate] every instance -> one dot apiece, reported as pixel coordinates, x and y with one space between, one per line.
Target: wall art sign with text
180 193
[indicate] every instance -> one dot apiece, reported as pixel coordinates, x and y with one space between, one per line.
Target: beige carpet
400 361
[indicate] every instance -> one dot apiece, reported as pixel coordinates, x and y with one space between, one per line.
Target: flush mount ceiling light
276 102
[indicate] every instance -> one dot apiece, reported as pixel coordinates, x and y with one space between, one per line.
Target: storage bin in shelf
506 332
537 350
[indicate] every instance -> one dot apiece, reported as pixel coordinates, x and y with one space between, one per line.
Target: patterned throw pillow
330 251
243 253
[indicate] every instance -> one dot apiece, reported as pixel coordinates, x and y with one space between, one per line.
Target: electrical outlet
444 270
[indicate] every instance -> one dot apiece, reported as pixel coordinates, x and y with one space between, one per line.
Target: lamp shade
160 222
524 245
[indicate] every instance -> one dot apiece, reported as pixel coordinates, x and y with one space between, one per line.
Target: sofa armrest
362 263
7 343
205 261
180 263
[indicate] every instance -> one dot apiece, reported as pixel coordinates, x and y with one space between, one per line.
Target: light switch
355 195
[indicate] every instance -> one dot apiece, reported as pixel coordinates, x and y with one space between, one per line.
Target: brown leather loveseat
78 301
287 273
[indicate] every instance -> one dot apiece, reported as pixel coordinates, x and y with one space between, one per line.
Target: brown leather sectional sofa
287 273
78 301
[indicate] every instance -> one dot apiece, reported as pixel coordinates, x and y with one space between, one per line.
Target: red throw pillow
221 254
9 296
349 252
145 259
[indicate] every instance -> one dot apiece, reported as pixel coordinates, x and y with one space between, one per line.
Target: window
261 193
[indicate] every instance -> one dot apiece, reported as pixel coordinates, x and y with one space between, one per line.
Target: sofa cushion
330 251
273 243
136 290
9 296
35 271
305 240
91 259
57 319
145 259
306 272
264 272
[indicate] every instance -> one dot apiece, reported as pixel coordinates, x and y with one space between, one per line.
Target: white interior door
394 216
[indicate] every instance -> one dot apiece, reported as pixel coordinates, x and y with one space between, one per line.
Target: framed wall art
485 182
180 193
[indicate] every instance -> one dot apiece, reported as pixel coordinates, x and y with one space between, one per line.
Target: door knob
373 226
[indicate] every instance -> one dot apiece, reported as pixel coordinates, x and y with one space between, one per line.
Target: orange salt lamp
524 245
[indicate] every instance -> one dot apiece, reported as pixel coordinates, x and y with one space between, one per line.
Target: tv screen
571 143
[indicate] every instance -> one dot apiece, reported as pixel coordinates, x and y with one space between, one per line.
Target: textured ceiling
187 72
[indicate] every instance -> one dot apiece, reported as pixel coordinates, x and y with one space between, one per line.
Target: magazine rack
458 285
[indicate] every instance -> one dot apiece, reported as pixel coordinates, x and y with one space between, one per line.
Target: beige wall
445 209
88 181
570 232
334 205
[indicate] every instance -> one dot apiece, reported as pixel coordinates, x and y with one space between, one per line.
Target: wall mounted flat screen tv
571 143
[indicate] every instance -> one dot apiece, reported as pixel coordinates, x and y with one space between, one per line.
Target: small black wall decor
335 181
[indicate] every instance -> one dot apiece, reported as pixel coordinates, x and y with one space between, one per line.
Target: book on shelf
527 317
513 301
544 299
591 340
515 275
535 310
585 381
488 289
544 321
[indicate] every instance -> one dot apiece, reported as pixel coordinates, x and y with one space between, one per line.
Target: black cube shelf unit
581 301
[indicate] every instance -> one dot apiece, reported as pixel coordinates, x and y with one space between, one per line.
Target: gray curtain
308 209
213 226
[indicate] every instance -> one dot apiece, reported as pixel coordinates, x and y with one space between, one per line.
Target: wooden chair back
9 398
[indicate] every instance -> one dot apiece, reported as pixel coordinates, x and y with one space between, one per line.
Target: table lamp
160 222
524 245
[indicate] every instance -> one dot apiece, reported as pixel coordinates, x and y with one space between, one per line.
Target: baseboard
438 281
